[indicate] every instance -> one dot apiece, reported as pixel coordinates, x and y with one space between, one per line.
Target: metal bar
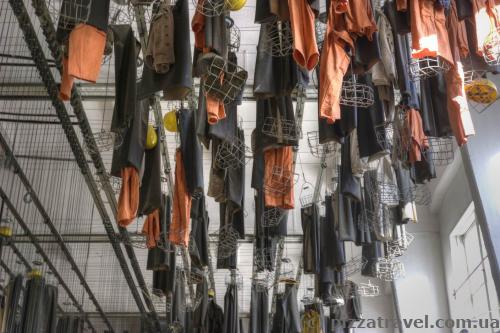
42 12
51 266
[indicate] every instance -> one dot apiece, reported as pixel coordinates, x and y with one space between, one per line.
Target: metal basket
441 150
320 31
231 154
354 265
491 48
278 39
281 182
263 258
356 94
368 289
234 35
115 182
224 80
227 242
418 193
473 75
74 12
234 277
281 128
272 217
104 141
317 149
389 269
427 67
210 8
287 269
385 135
306 196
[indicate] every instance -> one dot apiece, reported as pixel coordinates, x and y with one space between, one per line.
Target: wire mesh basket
441 150
263 258
278 39
231 154
317 149
354 265
272 217
385 135
418 193
356 94
227 244
287 270
306 196
224 80
114 182
104 141
427 67
381 191
280 182
234 278
74 12
491 47
473 75
368 289
389 269
281 128
234 35
210 8
398 246
263 281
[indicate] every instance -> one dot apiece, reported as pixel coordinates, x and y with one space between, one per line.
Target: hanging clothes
286 319
215 318
159 54
200 312
180 226
192 154
259 310
231 311
128 201
14 304
177 82
125 50
311 245
417 142
279 178
433 97
151 229
384 72
305 48
199 233
32 318
150 190
179 301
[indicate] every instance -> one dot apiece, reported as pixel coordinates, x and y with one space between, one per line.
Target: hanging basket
287 270
354 265
231 154
368 289
281 182
73 12
320 31
389 269
356 94
441 150
234 35
281 128
104 141
272 217
278 39
210 8
227 242
385 136
224 80
491 47
427 67
306 196
317 149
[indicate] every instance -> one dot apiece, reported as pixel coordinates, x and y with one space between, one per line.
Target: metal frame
49 263
42 65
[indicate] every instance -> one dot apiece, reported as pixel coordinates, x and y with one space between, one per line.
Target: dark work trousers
228 213
125 76
231 312
366 54
177 82
74 13
131 151
199 233
352 307
259 310
200 312
33 306
150 197
287 317
179 300
433 106
349 185
50 309
14 301
372 252
424 170
215 318
311 246
192 153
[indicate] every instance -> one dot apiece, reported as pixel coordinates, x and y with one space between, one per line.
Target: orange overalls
279 158
181 215
417 141
305 48
128 201
151 229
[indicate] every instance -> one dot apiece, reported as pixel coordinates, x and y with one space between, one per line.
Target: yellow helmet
235 5
151 137
481 91
170 121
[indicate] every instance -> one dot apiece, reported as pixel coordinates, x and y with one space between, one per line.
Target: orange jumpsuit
282 158
181 215
417 140
458 110
151 229
428 30
128 201
305 48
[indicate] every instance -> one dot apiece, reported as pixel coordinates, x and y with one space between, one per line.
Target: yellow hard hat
170 121
481 91
235 5
151 137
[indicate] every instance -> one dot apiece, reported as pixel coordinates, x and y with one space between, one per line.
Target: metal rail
42 12
51 266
